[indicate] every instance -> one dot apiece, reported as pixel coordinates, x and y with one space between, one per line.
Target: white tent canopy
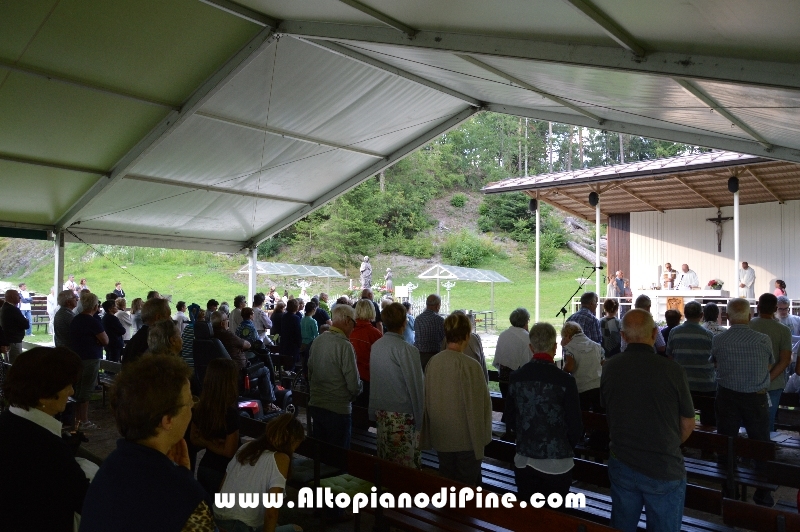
213 125
293 270
457 273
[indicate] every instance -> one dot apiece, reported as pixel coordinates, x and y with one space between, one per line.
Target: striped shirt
743 357
589 323
690 346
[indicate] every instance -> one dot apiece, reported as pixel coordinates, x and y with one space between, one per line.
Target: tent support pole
538 234
58 274
736 240
597 254
252 275
492 297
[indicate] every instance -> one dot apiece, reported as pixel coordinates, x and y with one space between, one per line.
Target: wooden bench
105 377
758 518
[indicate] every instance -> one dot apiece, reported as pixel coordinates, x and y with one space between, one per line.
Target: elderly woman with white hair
583 358
87 337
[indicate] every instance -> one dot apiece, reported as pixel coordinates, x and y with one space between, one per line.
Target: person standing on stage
747 281
687 279
669 276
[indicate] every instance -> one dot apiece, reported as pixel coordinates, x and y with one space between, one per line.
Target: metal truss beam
528 86
212 188
82 84
380 65
233 66
242 12
370 171
377 15
694 139
611 28
671 64
58 166
560 192
547 197
288 135
709 101
121 238
763 184
641 199
690 187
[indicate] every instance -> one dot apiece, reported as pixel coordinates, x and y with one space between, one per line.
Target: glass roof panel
297 270
458 273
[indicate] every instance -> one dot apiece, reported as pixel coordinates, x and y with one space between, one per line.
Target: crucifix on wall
718 221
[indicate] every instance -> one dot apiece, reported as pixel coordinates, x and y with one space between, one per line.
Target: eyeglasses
783 309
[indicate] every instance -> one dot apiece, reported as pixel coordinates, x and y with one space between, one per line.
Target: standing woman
88 338
291 335
43 486
83 286
136 314
364 335
309 329
397 399
215 422
124 317
780 288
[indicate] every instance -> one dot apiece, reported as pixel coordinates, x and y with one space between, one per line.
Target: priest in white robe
687 279
747 281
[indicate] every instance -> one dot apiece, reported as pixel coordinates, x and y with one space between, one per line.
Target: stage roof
685 182
294 270
213 124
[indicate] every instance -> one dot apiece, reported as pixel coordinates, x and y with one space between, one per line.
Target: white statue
366 273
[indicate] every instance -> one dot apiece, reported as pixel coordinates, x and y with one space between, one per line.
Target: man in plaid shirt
429 330
585 317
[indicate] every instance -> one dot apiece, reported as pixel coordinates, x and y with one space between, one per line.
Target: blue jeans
662 499
775 399
27 314
330 427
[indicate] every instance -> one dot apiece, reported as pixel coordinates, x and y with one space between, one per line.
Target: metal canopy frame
459 273
496 72
294 270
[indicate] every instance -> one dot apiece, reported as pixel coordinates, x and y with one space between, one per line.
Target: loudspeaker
594 199
533 204
733 184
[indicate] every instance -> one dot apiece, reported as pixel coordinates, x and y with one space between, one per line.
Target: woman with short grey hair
583 358
520 317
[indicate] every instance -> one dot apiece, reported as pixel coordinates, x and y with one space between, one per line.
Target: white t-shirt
259 478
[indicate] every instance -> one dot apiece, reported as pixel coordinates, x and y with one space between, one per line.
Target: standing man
747 281
650 414
669 276
743 357
687 279
781 338
333 380
585 317
429 330
544 410
512 352
239 303
619 281
793 322
72 285
67 303
690 346
118 291
260 317
13 324
643 303
25 301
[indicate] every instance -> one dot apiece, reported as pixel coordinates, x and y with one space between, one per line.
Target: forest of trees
387 213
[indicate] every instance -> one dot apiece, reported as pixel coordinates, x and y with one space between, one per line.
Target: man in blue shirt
585 317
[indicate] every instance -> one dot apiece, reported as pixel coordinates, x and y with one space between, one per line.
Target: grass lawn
194 276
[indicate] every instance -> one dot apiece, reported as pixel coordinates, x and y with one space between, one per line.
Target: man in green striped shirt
690 346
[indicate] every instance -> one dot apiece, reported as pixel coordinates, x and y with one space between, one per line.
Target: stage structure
709 210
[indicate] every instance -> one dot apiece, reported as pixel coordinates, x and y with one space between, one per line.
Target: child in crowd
247 329
261 466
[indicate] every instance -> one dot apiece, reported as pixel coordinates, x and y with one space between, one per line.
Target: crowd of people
422 379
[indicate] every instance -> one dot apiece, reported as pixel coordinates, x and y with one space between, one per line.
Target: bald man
429 330
13 323
650 414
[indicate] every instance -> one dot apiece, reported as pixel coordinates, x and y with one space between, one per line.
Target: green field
194 276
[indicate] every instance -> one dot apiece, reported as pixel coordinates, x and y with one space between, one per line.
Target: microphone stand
563 311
